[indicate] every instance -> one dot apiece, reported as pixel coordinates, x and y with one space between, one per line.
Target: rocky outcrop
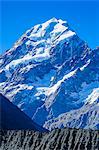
59 139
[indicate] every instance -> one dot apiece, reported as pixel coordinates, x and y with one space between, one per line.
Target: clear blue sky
18 16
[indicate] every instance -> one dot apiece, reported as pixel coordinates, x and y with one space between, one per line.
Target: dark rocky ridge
12 118
59 139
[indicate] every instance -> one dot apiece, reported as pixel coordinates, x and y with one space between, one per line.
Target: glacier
53 76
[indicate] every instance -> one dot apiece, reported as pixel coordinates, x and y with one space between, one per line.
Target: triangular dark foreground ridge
12 118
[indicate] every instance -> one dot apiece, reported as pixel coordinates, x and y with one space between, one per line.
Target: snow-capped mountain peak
51 72
38 42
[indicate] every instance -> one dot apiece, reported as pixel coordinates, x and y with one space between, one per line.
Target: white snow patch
54 88
62 21
17 88
59 28
93 96
82 68
50 90
1 61
86 90
39 57
66 35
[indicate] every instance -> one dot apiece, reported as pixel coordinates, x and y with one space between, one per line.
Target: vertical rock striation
59 139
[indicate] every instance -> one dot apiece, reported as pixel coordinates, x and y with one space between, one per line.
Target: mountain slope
50 72
11 117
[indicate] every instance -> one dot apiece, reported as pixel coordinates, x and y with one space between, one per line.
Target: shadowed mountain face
59 139
11 117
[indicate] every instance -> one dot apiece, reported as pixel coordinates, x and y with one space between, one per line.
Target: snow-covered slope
52 75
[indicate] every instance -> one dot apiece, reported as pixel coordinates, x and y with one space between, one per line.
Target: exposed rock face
59 139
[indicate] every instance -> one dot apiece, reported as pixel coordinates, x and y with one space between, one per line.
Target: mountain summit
52 76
